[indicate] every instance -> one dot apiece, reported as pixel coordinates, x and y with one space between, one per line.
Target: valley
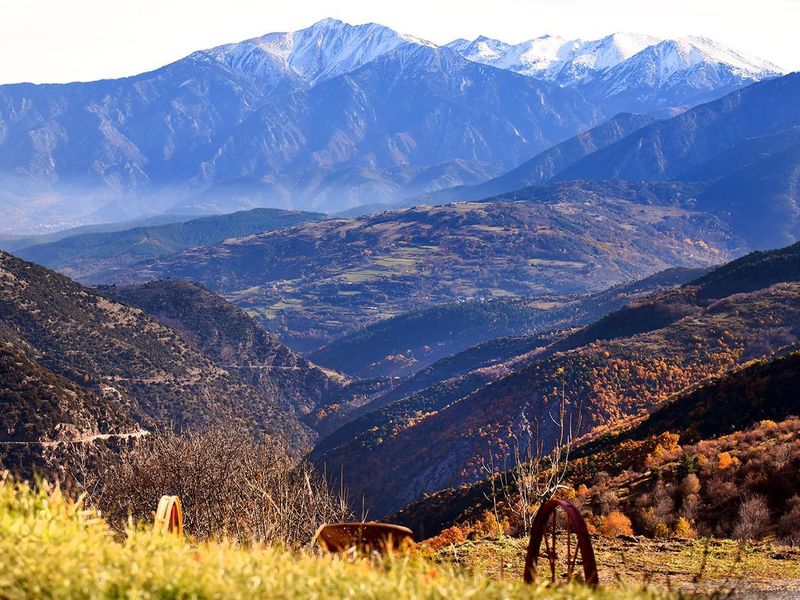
345 273
314 282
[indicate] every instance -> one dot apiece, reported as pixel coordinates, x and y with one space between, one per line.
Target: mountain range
626 71
739 154
325 118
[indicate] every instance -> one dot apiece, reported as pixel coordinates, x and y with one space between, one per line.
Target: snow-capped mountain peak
721 54
571 62
325 49
691 63
546 56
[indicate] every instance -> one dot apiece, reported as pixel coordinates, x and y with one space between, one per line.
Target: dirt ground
720 568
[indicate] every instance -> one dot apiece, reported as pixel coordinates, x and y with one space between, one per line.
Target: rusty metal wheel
567 554
169 515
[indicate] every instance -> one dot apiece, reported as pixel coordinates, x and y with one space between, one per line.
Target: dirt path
87 439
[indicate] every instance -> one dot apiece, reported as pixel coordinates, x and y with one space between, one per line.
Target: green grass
53 548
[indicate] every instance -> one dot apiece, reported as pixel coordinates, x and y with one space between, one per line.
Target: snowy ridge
570 62
331 48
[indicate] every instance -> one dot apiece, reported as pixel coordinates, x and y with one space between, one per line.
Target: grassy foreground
52 548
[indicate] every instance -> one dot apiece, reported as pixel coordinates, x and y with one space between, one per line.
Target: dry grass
700 565
53 548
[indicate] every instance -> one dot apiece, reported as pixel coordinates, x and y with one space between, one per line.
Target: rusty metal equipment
567 545
169 516
363 537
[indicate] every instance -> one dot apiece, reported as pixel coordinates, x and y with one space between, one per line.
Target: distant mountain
743 150
416 107
554 58
316 281
544 166
622 365
667 149
627 72
14 243
328 117
325 118
83 256
756 183
323 51
84 347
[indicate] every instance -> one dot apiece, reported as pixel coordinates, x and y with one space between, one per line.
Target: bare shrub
663 504
753 519
607 501
690 485
229 484
690 508
788 524
646 520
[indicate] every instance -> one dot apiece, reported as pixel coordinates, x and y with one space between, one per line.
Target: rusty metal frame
363 537
545 528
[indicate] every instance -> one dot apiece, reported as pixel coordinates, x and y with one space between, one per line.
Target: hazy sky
67 40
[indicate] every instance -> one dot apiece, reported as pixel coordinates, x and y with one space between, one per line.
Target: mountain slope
40 406
755 396
764 389
668 148
236 343
81 256
619 367
411 342
757 183
119 352
545 165
14 243
415 106
319 280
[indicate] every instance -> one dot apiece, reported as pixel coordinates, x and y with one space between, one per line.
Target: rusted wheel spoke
555 518
554 555
570 561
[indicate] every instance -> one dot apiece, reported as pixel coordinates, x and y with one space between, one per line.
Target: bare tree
538 475
229 484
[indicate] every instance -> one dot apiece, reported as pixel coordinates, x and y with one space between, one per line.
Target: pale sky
69 40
